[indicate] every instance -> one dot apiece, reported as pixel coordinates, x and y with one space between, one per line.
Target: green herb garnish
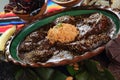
59 25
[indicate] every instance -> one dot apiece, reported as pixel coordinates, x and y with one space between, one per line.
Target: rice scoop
62 32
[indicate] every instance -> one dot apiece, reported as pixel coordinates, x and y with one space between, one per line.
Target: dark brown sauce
31 7
94 32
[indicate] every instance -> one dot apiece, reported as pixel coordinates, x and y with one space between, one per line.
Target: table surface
7 69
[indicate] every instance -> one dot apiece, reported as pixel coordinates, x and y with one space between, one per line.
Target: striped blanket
7 20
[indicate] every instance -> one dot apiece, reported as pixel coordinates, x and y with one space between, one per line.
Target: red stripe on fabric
4 28
4 15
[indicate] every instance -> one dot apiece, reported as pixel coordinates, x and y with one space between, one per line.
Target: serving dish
27 17
67 3
15 41
27 10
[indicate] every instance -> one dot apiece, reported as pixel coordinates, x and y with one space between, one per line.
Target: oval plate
12 45
68 3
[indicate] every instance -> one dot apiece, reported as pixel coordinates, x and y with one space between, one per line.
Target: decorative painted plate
85 31
67 3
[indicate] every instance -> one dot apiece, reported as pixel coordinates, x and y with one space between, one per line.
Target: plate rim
63 62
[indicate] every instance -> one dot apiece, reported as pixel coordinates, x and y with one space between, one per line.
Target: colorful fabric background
7 20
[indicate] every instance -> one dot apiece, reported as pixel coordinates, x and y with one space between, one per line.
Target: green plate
17 39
